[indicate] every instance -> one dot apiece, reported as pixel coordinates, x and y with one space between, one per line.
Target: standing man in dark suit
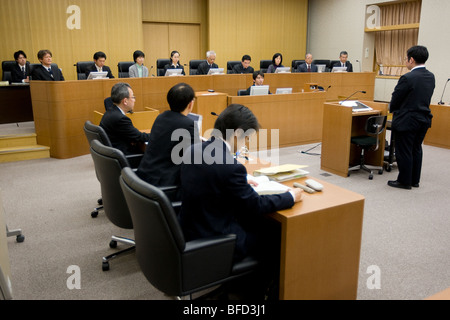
410 104
244 66
46 71
119 128
21 71
159 166
99 65
204 67
308 66
343 56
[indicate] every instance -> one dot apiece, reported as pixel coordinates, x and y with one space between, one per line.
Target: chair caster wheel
94 214
100 201
371 177
20 238
105 266
380 171
113 244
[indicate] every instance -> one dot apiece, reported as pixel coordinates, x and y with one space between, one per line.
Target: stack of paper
265 186
282 173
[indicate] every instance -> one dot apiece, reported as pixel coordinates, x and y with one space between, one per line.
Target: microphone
441 102
340 102
214 114
328 88
151 68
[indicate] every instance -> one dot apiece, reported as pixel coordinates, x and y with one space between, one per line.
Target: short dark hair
99 54
119 91
246 57
276 55
343 52
18 53
419 53
179 96
236 116
137 54
256 73
42 53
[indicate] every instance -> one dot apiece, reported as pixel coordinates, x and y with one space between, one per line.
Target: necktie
309 68
23 71
50 71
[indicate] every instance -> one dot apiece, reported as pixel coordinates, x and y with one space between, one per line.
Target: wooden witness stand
320 243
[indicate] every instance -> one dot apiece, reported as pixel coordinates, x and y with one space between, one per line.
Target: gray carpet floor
405 232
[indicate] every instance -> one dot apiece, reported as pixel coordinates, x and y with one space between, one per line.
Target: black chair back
160 64
109 163
230 66
264 65
327 63
193 66
81 67
375 125
94 132
7 67
295 64
123 68
242 92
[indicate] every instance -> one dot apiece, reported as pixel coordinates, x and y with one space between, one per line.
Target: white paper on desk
348 103
265 186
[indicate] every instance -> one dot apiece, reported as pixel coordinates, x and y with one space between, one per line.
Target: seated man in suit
204 67
343 56
258 80
244 66
99 65
158 167
217 197
21 71
46 71
308 66
119 128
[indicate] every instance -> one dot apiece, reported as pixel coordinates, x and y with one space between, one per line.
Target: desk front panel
439 133
15 104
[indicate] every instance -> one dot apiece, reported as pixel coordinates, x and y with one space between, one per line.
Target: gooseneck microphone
441 102
151 68
340 102
214 114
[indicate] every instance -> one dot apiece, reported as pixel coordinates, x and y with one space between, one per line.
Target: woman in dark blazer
174 62
277 61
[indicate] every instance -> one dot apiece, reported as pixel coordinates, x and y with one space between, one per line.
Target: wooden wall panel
257 28
178 11
112 26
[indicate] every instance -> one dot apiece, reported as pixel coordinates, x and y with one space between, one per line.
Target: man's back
157 166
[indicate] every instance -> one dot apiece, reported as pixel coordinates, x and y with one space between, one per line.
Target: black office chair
7 67
374 127
81 67
242 92
264 65
193 66
160 64
172 265
295 64
109 163
230 66
108 103
325 62
123 68
94 132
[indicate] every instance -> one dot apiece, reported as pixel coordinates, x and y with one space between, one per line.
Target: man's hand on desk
297 194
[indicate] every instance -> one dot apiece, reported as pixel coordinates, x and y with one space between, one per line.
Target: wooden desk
339 125
142 120
15 104
205 103
320 243
439 133
297 116
443 295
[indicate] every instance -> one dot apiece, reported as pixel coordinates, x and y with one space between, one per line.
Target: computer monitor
197 119
259 90
339 69
173 72
283 70
98 75
321 67
283 90
215 71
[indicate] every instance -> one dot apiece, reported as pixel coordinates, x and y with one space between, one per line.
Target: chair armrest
217 251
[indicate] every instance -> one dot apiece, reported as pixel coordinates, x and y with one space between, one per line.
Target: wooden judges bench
60 109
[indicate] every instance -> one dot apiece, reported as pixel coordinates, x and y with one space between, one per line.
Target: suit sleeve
110 75
126 129
132 72
399 94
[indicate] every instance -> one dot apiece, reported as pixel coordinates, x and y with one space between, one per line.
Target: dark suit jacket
157 167
93 68
411 99
121 132
40 73
169 66
218 200
347 64
17 74
239 69
304 68
204 67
